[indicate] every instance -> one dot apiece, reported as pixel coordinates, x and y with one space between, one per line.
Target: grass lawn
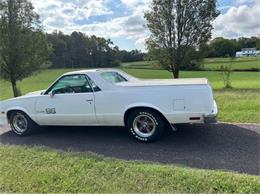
138 65
240 80
41 170
241 104
208 63
238 63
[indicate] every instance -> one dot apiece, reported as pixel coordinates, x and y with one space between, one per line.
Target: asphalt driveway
220 146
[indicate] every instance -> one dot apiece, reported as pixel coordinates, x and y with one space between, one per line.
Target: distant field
241 104
238 63
247 63
139 65
240 80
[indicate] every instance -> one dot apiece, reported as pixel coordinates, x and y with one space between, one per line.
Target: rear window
113 77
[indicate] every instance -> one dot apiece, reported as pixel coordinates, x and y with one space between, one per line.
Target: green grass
240 80
36 82
240 104
246 63
227 60
41 170
138 65
238 63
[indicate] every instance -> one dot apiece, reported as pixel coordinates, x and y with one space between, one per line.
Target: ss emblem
50 111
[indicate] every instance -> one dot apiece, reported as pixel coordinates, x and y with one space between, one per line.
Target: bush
226 72
115 63
192 66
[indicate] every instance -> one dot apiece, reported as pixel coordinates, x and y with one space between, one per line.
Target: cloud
237 19
135 3
64 15
129 27
240 2
240 20
57 14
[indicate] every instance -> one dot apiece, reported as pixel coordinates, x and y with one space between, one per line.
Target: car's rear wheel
145 125
21 124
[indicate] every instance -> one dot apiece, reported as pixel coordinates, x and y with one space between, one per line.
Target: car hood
26 96
34 93
165 82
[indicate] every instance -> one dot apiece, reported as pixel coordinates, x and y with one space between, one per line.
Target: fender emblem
50 111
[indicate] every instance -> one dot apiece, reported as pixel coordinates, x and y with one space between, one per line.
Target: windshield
113 77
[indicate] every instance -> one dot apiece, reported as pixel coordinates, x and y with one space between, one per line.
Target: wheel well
127 113
8 114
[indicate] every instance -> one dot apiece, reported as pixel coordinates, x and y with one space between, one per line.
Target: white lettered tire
21 124
145 125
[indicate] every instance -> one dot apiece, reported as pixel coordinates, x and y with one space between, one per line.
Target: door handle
90 100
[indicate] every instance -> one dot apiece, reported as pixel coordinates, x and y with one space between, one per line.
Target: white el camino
111 97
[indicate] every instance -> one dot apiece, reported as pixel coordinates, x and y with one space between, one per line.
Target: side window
113 77
72 84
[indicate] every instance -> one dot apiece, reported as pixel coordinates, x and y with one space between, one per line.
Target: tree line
221 47
79 50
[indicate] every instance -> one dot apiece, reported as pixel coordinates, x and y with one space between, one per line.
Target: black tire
152 115
30 124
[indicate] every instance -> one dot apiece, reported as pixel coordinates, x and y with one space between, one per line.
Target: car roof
91 71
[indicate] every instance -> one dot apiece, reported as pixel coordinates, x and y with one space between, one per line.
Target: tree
130 56
79 50
221 47
23 46
60 55
177 26
247 42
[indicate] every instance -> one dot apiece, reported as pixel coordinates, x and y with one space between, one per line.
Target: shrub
226 73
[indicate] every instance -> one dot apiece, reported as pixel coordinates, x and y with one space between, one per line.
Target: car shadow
219 146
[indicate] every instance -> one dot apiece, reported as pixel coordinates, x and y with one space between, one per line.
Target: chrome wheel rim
20 123
144 125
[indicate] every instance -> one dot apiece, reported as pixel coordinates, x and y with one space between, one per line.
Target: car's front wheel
145 125
21 124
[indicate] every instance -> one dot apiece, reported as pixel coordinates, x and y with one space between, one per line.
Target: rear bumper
212 117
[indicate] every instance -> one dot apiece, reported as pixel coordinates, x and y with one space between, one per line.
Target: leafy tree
247 42
221 47
23 47
60 55
79 50
130 56
177 26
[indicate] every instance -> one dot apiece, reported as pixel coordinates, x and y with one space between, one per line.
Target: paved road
220 146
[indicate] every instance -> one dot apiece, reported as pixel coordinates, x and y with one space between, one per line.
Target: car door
70 101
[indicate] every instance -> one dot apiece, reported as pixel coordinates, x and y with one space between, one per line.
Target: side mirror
52 93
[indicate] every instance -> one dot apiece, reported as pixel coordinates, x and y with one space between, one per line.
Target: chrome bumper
212 117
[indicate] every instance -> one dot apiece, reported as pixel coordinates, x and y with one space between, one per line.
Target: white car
111 97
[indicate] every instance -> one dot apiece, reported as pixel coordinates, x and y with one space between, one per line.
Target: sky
122 20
